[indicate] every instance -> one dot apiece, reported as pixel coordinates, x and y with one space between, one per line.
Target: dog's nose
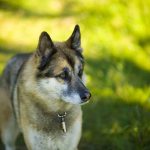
86 96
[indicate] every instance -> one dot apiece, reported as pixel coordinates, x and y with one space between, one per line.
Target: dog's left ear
74 41
45 45
45 49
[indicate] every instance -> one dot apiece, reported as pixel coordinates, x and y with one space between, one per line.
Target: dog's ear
74 41
45 45
45 49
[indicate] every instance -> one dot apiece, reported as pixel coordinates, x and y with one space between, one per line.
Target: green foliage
115 38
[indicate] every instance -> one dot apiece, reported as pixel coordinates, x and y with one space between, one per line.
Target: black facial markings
44 63
47 74
81 67
79 54
65 74
80 73
70 60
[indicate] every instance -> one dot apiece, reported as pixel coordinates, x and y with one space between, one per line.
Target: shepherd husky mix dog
41 93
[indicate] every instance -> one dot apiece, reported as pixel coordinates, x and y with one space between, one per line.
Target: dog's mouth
84 102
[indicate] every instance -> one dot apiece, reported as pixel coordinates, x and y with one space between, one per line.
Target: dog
41 95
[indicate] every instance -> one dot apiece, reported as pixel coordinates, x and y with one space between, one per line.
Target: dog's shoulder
12 68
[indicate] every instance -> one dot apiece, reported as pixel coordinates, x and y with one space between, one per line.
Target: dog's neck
52 121
60 121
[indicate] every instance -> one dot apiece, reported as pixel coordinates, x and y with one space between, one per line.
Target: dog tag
63 124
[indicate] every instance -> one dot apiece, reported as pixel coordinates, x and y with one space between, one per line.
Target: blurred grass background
116 42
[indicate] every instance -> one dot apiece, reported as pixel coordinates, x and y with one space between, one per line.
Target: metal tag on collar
63 124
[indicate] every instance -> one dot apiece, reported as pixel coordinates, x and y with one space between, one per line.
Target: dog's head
60 69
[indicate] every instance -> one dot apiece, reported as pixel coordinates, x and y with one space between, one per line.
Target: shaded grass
111 72
115 125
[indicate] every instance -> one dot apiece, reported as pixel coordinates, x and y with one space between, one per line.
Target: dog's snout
83 92
86 96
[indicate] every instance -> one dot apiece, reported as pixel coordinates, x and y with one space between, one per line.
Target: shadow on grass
111 124
110 71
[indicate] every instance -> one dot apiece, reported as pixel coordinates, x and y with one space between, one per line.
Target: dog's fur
35 88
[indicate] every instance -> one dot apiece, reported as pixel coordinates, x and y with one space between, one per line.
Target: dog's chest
59 141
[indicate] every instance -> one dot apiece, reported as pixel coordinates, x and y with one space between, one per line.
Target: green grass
115 38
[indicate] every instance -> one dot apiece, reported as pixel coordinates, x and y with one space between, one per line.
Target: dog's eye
63 75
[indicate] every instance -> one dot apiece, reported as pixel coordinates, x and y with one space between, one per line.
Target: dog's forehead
67 56
59 63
